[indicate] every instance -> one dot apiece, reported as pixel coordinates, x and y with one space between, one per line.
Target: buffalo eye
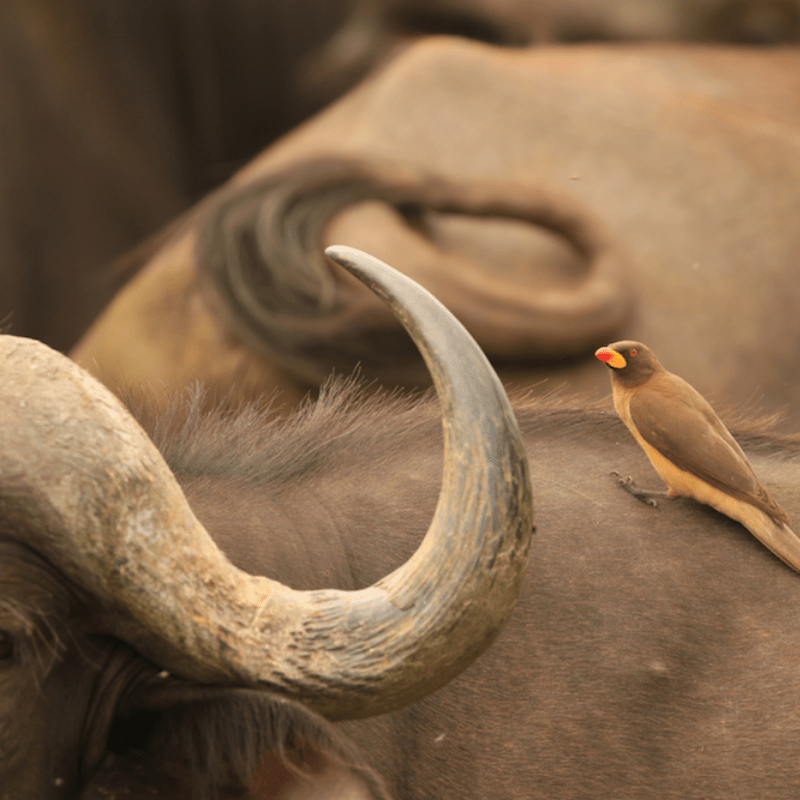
6 647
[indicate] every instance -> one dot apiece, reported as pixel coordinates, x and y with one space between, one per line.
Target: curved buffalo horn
84 486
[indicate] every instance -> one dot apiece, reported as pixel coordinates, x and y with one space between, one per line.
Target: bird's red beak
611 357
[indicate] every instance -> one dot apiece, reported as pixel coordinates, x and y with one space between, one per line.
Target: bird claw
629 486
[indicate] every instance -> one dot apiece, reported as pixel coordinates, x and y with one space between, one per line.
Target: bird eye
633 352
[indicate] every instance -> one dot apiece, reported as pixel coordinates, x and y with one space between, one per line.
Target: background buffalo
554 199
117 118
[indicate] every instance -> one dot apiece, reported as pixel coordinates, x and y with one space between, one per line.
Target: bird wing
676 420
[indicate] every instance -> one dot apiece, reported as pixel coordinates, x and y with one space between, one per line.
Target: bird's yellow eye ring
633 352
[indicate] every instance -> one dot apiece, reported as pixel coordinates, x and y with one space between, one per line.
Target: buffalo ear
174 738
118 776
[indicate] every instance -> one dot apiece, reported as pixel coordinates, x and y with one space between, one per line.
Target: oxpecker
690 448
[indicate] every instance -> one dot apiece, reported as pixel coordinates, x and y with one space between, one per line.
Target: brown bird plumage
690 448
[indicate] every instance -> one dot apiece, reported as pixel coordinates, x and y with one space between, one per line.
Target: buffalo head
131 649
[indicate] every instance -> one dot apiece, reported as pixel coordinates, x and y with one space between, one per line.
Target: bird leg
646 496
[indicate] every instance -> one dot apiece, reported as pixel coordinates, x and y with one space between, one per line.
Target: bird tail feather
779 538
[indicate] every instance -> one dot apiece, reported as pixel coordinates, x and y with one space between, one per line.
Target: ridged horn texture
84 486
260 256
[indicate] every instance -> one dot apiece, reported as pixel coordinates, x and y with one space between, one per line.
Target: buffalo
554 198
137 661
651 652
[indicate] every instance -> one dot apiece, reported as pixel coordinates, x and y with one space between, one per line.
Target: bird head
631 362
